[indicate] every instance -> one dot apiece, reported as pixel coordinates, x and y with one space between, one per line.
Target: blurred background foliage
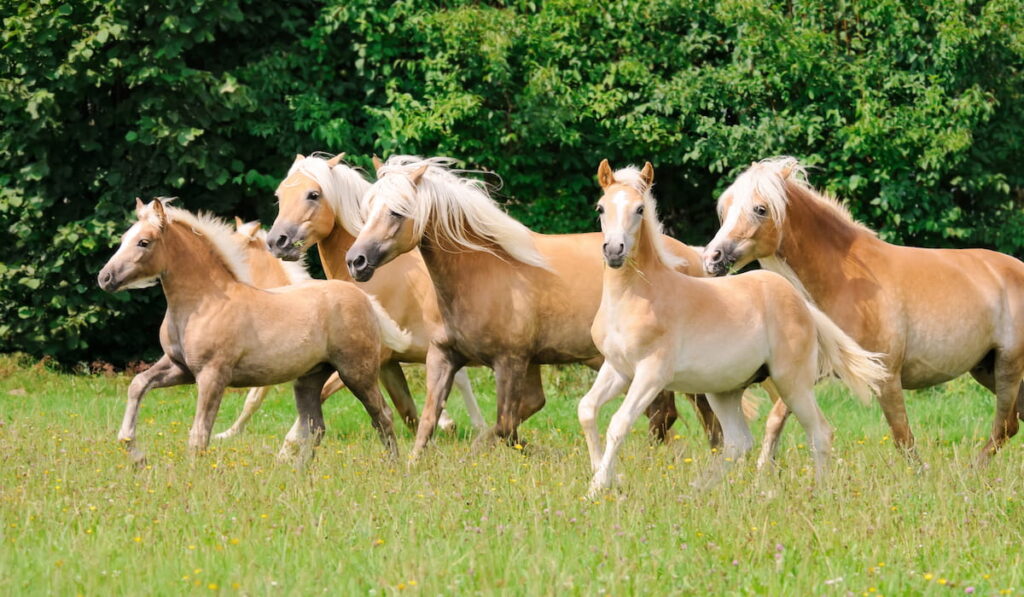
913 112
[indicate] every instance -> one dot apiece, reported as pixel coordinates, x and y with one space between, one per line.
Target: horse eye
760 210
600 209
313 196
144 243
640 210
396 215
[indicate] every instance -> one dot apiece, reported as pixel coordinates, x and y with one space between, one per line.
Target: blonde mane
295 270
343 188
770 178
457 208
630 177
215 230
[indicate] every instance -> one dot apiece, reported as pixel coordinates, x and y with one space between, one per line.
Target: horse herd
461 283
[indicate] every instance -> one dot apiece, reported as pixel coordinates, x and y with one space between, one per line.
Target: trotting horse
660 329
220 331
934 313
510 298
319 203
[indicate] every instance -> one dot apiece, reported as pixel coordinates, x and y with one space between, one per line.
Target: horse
660 329
319 203
934 313
265 271
220 331
509 298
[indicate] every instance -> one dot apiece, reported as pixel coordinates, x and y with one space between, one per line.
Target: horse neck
640 270
332 249
452 270
194 272
815 240
266 271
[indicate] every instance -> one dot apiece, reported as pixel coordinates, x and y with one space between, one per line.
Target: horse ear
647 174
377 164
139 206
238 224
604 174
336 160
786 170
158 209
298 158
418 174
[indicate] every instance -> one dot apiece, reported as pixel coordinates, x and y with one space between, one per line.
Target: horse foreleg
212 383
608 385
646 385
164 373
253 402
393 378
890 398
442 364
472 408
309 426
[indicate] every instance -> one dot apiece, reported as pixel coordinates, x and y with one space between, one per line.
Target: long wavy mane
458 210
214 230
343 187
773 180
630 177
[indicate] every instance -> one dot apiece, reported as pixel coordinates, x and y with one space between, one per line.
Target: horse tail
392 335
838 353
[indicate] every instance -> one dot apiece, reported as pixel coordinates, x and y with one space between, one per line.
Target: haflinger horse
220 331
319 203
509 298
660 329
266 271
934 313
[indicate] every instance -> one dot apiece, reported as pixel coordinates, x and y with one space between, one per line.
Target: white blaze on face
621 201
130 238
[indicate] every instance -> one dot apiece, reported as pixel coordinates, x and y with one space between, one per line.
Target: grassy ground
76 518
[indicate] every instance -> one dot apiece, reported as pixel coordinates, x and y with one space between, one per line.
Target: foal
659 329
219 331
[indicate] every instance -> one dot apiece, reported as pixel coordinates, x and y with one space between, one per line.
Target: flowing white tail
860 370
393 336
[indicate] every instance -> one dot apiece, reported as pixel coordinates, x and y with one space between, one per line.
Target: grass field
77 518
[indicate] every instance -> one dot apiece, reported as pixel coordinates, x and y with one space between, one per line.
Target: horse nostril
622 247
282 241
359 262
716 256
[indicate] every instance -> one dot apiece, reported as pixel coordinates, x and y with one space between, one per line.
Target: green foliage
912 112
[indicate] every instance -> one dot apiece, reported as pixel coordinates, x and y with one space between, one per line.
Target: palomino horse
265 271
510 298
661 329
934 313
219 331
319 203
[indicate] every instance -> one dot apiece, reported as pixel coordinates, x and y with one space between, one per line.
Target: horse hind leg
393 378
799 397
661 415
363 385
309 426
1007 381
737 439
253 401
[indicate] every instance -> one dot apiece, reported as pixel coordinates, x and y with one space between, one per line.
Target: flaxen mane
343 188
630 177
459 210
215 230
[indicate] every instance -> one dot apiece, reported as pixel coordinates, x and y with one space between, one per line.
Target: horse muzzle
108 280
718 261
285 243
362 263
614 254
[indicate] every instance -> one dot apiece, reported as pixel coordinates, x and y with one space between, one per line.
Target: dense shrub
914 112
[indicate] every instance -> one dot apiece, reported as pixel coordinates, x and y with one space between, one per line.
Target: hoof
226 434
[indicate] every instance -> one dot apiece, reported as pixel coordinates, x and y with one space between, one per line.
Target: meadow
78 518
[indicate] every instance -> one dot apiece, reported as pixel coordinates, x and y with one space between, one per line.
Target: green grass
77 518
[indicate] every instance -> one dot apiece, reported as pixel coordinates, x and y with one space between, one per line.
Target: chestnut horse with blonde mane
319 203
220 331
658 329
934 313
509 298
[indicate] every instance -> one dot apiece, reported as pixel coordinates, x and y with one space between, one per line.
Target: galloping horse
934 313
319 203
265 271
660 329
510 298
220 331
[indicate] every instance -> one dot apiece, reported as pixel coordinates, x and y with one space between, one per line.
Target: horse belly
931 361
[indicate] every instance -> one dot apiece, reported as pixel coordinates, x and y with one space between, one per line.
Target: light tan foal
659 329
220 331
